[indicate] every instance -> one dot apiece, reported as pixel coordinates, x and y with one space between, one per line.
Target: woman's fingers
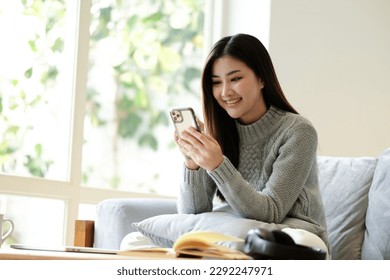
202 148
200 124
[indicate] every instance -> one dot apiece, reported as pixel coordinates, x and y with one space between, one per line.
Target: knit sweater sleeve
196 192
290 160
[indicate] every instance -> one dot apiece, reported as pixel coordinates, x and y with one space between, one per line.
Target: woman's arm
196 192
197 189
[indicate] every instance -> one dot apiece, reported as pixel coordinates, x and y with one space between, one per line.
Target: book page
204 244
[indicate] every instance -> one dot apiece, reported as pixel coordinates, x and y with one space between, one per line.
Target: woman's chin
234 114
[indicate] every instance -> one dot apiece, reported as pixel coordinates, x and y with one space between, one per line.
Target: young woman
256 152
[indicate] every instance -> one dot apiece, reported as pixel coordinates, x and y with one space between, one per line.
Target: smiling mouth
232 101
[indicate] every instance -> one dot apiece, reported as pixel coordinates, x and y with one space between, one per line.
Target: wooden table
16 254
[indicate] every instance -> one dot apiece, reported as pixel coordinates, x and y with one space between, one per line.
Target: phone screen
183 118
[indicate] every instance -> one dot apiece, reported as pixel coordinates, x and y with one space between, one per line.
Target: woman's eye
235 79
215 83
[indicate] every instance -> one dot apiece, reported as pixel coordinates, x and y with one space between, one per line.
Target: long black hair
252 52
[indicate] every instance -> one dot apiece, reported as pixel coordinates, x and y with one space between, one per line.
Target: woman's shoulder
297 124
301 121
293 118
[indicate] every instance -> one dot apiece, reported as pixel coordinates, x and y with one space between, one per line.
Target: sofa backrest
376 243
345 183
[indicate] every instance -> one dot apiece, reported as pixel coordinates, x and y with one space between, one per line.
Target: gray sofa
355 192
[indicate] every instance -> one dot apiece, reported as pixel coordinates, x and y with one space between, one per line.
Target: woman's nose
226 90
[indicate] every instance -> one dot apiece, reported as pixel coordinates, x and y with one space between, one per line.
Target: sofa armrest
114 217
84 233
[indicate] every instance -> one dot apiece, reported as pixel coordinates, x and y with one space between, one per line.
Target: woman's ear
261 83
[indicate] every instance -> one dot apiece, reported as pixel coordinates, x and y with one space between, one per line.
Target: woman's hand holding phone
182 119
203 150
199 148
187 158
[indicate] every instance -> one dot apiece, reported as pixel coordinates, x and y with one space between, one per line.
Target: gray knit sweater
276 181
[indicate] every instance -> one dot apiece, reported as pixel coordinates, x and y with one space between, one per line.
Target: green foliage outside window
156 59
24 90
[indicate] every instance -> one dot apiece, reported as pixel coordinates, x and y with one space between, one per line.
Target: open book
196 244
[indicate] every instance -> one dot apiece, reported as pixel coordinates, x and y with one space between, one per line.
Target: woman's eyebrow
228 74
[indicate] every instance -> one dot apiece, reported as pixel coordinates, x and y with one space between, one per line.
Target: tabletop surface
18 254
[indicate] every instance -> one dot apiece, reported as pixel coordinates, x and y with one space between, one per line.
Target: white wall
333 61
228 17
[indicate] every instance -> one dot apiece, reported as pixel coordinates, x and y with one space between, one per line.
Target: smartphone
183 118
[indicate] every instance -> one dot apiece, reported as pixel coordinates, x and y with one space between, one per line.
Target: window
30 215
85 90
145 58
35 86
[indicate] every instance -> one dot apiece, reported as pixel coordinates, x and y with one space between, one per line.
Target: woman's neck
262 128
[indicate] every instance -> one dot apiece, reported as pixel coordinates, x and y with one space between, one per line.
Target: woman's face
237 90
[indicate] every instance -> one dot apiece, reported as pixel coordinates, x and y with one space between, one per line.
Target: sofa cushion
344 185
376 243
163 230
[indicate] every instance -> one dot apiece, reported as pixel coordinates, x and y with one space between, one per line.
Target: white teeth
232 101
